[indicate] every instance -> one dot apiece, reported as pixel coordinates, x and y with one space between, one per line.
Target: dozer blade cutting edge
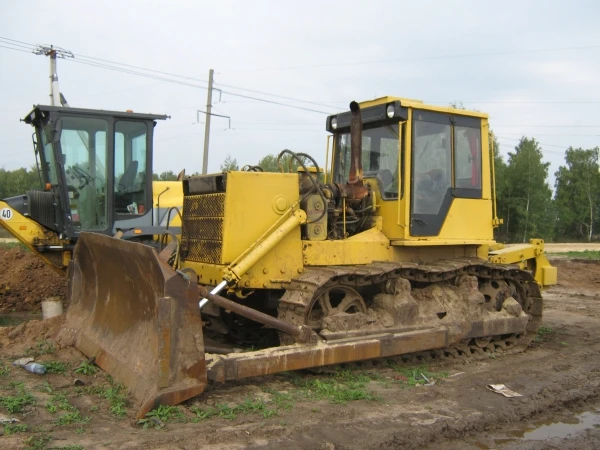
138 318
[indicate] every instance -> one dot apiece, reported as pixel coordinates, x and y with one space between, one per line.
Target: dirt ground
25 281
375 406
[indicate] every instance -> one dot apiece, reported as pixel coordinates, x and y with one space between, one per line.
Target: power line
420 58
156 77
18 42
141 68
16 49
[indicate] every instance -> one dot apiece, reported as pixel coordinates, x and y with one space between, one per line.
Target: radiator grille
42 209
202 228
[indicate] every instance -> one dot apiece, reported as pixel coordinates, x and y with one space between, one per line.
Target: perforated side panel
202 228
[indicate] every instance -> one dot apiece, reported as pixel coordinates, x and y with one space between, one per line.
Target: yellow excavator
95 168
386 250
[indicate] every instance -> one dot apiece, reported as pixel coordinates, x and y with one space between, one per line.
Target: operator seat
127 179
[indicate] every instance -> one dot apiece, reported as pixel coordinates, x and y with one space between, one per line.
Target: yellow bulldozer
386 250
84 187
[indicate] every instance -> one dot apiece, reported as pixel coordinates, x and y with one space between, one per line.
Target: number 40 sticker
6 214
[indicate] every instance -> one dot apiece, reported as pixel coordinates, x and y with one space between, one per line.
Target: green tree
500 169
287 162
528 198
577 194
165 176
19 181
229 164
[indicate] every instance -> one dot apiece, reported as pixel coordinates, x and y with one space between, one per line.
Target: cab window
467 161
130 167
380 151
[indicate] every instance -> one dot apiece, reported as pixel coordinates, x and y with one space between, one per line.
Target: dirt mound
25 280
577 273
30 334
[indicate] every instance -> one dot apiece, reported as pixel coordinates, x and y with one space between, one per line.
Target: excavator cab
96 172
96 167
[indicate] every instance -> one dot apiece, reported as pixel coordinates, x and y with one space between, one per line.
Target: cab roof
419 104
45 109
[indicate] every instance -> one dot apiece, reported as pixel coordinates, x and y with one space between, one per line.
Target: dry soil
558 377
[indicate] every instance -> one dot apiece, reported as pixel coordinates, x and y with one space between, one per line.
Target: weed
80 430
94 408
544 332
86 368
563 343
4 371
282 400
413 376
224 411
37 443
118 401
55 367
68 447
72 417
161 415
16 403
339 392
45 387
51 408
12 428
44 347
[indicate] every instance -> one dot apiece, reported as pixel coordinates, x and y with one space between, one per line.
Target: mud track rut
296 302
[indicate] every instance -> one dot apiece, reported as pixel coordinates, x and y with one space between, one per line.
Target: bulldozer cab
96 167
423 162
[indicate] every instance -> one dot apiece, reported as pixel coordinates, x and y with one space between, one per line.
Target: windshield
380 151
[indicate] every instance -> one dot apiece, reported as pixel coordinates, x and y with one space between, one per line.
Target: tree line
525 200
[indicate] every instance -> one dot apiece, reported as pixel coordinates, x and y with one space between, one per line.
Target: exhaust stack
356 171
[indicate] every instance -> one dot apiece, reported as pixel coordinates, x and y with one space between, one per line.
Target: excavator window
48 160
130 167
83 150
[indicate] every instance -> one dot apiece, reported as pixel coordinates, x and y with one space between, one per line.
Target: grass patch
68 447
8 321
55 367
249 406
59 402
544 333
86 368
162 415
4 370
44 347
12 428
585 254
37 443
72 417
11 245
16 403
413 376
115 394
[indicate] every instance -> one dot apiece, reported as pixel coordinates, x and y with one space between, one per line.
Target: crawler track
297 300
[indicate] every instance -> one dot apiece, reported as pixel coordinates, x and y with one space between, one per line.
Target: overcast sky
534 66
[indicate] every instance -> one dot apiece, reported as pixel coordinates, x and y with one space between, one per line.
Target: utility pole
53 53
207 123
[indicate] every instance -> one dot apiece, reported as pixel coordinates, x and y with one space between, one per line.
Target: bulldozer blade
138 318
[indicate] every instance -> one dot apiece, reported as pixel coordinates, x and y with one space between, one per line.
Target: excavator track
300 295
